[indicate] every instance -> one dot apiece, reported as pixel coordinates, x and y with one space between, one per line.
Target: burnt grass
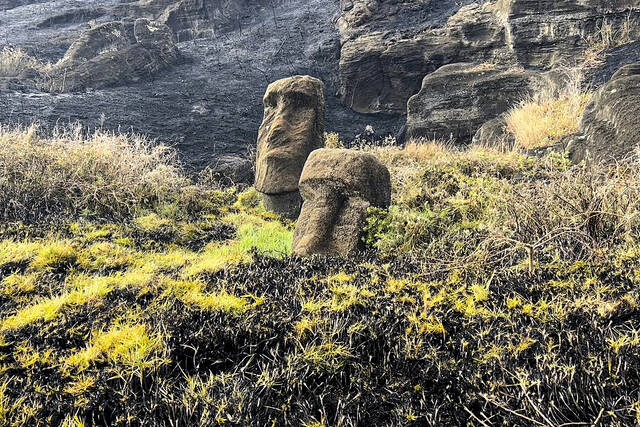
256 369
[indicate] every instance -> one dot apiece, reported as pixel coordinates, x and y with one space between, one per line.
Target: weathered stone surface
544 33
232 170
292 128
610 127
112 55
103 38
207 106
210 105
338 186
380 70
190 19
388 47
458 99
286 204
10 4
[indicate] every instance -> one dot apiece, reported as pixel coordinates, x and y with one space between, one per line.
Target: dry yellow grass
543 123
549 115
101 173
14 61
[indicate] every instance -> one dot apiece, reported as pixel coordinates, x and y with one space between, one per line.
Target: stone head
337 187
292 128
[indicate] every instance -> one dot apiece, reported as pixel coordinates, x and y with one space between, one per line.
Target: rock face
544 33
338 186
380 70
114 54
459 98
292 128
190 19
610 127
389 46
210 104
372 61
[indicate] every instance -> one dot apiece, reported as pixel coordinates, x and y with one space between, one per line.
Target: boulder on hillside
229 170
610 126
114 54
111 36
191 19
457 99
338 186
495 134
292 128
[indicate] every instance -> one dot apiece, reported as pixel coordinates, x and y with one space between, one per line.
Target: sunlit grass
129 345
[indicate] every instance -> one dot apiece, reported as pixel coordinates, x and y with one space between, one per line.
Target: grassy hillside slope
497 290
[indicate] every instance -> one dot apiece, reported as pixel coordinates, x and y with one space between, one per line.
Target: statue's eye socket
271 101
299 99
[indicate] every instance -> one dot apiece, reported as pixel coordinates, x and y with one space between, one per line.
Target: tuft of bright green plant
55 256
18 252
128 345
328 356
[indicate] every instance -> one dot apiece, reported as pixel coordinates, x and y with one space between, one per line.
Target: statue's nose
277 130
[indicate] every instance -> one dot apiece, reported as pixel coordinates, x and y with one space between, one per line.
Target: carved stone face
338 186
292 128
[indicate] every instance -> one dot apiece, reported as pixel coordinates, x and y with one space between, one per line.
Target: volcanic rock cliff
372 56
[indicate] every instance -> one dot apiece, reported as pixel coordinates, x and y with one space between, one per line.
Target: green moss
328 356
105 256
153 223
249 200
19 284
193 292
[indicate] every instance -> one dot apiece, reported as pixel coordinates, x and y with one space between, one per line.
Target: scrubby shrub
481 207
332 140
98 175
14 61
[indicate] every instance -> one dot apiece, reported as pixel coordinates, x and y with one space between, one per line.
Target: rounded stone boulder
610 127
338 187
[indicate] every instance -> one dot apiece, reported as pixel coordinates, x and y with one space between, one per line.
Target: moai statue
338 186
292 128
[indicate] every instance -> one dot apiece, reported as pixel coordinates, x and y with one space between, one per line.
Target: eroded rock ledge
114 54
388 47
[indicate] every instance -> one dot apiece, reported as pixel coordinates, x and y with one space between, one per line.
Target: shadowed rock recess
610 126
457 99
